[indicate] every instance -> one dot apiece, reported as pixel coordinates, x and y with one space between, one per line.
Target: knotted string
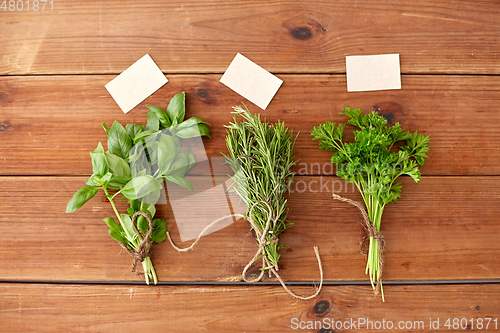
144 249
372 232
262 242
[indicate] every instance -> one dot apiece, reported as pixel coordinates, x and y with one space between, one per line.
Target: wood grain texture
53 68
282 36
444 228
49 124
94 308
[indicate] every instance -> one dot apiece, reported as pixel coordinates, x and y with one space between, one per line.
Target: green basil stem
147 264
110 198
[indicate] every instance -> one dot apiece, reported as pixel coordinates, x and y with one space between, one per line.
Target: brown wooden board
63 273
444 228
283 37
101 308
49 124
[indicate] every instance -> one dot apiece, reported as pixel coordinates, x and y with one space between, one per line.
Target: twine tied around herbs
262 242
144 249
372 233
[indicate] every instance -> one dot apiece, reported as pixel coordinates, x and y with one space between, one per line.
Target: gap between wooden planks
75 308
444 228
282 36
50 123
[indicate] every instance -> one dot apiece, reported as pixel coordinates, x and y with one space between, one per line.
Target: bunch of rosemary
261 155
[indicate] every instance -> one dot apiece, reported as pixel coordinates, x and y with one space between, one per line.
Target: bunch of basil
137 162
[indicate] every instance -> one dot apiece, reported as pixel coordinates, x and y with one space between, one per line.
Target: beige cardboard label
136 83
373 72
251 81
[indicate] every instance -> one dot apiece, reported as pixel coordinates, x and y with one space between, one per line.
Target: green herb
261 155
137 162
373 163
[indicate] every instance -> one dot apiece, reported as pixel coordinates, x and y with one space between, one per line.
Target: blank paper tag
136 83
373 72
251 81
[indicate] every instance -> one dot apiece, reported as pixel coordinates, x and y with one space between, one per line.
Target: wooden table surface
63 273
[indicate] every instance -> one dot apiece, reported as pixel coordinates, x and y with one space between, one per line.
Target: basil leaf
106 129
180 165
160 232
116 236
181 182
99 163
142 224
166 152
176 109
177 143
191 122
119 142
153 122
157 223
158 235
128 228
134 129
152 149
117 183
161 115
118 166
140 186
151 198
112 224
80 198
139 164
93 181
151 210
131 211
193 131
105 179
143 170
197 120
143 135
136 153
136 205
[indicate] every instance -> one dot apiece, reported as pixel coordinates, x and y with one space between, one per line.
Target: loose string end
318 289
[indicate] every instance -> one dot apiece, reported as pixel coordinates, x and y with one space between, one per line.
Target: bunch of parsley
137 162
373 163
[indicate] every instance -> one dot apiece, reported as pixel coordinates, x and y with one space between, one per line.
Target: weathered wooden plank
97 308
444 228
51 123
203 37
